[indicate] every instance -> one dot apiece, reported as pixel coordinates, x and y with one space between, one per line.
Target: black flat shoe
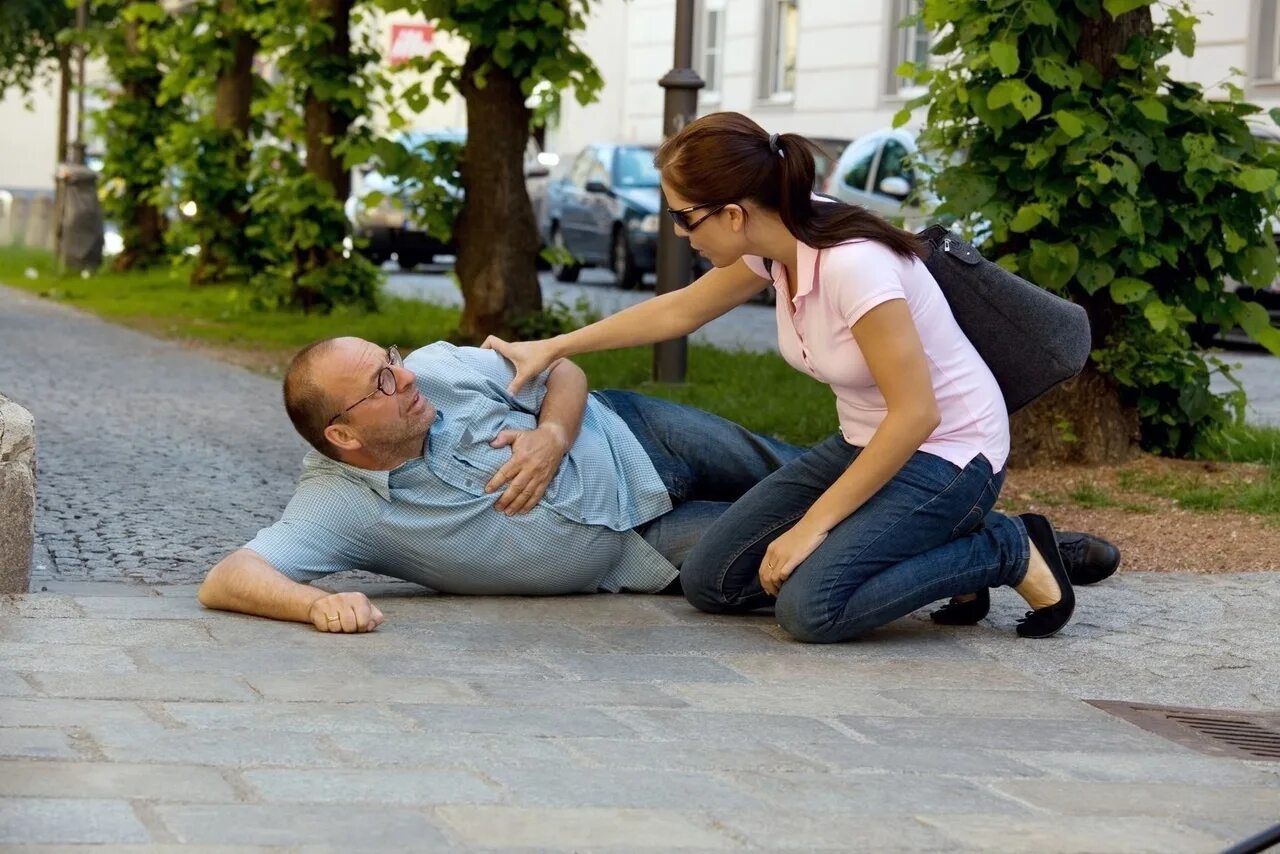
962 613
1088 559
1049 620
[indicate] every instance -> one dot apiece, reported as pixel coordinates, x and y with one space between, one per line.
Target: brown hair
306 401
727 158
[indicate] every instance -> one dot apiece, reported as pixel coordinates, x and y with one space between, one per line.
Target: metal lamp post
675 259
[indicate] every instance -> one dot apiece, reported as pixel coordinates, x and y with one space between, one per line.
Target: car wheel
407 262
563 272
622 262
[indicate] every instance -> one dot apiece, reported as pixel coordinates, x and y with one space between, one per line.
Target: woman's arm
891 345
659 319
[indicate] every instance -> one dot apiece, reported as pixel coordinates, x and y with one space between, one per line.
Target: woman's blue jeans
704 461
928 534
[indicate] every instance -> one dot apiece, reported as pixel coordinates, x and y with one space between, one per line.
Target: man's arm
536 454
246 583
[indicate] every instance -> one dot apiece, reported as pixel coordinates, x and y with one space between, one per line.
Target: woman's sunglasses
681 217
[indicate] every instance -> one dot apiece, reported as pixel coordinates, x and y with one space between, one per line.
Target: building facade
823 68
826 68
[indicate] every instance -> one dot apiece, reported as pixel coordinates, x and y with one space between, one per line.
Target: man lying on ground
430 471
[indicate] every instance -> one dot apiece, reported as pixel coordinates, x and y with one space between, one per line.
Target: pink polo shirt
835 288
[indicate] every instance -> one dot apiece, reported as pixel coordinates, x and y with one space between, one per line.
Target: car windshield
635 168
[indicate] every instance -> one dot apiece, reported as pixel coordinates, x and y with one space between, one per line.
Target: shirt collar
378 481
807 269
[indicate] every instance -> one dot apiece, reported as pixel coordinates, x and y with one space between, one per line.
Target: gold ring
331 619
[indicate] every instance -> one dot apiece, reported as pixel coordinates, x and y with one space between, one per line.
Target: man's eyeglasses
681 217
386 381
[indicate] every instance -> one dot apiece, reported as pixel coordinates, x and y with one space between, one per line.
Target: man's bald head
306 398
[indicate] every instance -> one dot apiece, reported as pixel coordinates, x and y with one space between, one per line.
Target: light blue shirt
429 521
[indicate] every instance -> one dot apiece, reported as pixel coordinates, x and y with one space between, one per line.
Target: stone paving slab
275 737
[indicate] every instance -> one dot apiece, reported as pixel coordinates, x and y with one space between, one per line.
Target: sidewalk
131 718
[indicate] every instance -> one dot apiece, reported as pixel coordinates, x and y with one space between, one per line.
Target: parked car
604 211
875 172
387 230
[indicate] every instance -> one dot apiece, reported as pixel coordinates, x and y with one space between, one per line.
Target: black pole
82 24
675 259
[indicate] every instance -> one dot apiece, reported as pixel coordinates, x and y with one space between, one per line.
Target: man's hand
347 613
535 459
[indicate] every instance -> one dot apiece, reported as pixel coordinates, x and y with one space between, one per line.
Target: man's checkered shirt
429 521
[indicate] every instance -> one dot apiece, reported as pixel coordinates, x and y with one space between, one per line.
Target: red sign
409 41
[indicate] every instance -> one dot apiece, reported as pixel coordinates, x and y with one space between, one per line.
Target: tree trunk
325 125
144 237
496 235
232 99
1086 421
60 150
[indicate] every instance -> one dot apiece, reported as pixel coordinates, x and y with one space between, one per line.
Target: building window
1266 66
906 45
710 40
782 36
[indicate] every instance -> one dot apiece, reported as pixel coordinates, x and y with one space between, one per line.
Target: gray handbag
1031 339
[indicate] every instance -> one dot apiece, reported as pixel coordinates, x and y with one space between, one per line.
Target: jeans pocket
972 520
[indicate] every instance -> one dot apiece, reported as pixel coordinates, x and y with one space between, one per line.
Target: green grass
1258 493
1248 444
1091 496
758 390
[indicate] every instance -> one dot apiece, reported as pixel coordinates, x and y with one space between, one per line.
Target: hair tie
773 145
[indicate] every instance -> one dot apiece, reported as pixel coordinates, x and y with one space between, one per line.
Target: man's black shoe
1088 559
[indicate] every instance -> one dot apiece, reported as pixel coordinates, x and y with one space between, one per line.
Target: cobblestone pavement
133 720
151 461
752 327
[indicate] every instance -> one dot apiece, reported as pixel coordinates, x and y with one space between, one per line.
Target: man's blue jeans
705 462
928 534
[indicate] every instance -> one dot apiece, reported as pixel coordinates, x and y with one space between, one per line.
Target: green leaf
1053 264
1255 180
1159 315
1232 239
1152 109
1040 12
1017 94
1094 275
1101 171
1127 215
1255 321
1116 8
1056 74
1028 217
1126 289
1005 57
1069 122
901 117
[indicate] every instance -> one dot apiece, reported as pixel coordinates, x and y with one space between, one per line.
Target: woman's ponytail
726 158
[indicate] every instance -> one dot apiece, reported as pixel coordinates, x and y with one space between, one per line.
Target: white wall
28 139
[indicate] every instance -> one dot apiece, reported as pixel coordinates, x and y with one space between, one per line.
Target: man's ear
343 437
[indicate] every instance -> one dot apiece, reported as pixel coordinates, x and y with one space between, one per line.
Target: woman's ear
737 217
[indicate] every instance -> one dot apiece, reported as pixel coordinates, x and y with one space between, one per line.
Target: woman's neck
770 239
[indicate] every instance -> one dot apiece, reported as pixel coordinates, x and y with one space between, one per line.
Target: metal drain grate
1217 732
